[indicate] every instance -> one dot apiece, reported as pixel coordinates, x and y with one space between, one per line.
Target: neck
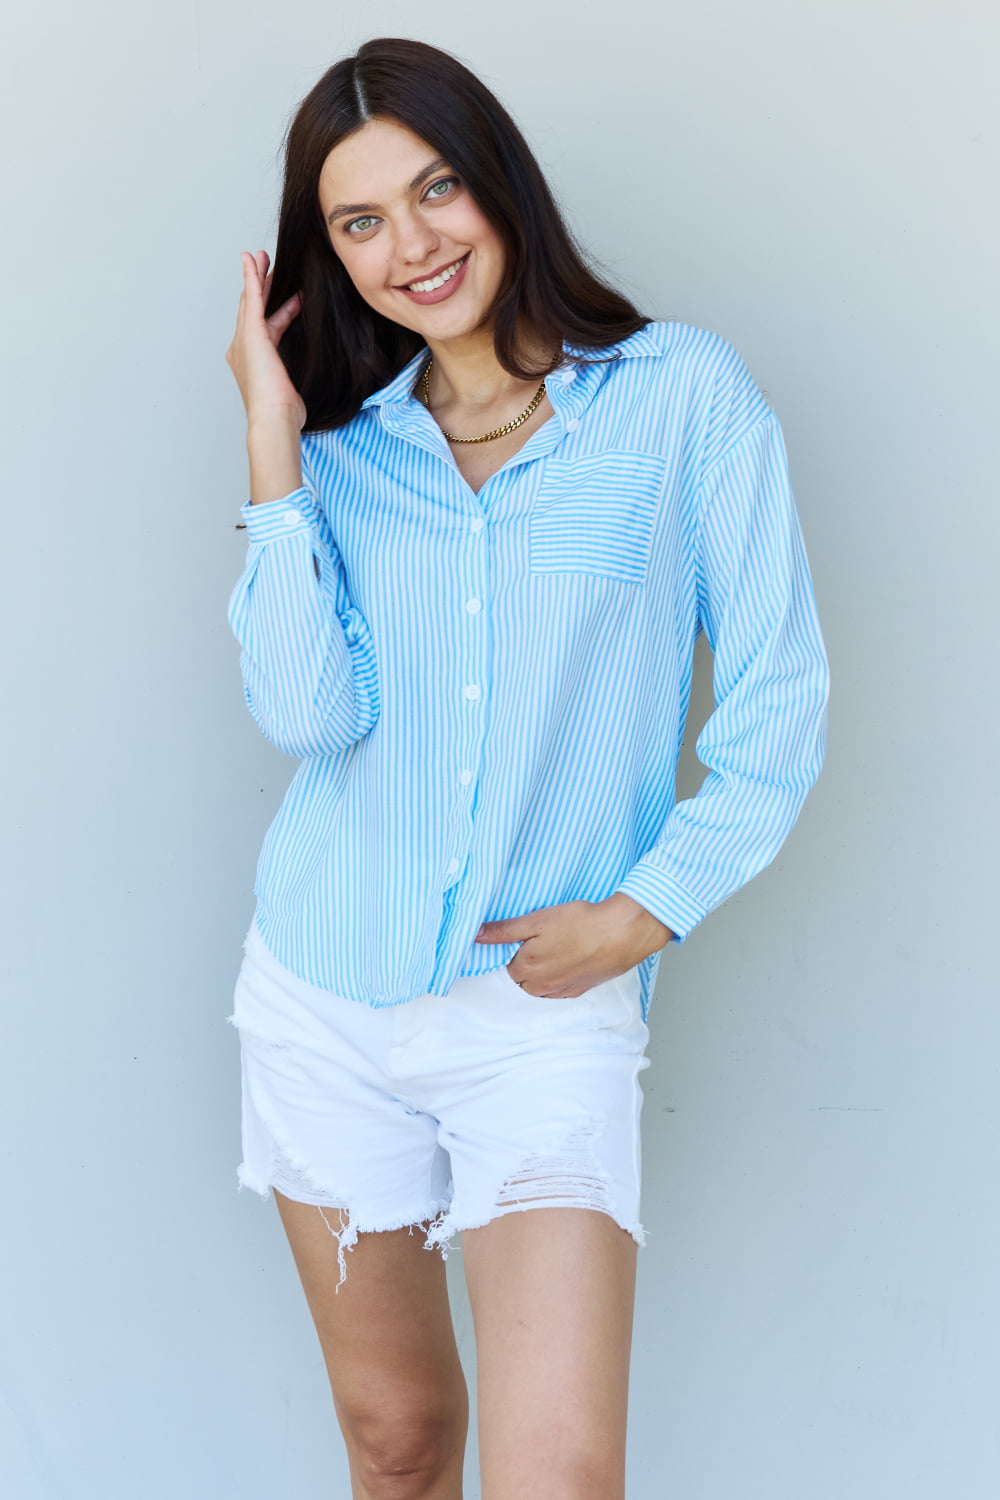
467 372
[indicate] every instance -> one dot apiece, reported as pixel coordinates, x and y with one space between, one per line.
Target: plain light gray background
818 1303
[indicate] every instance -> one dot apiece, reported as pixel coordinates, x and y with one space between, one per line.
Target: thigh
552 1293
387 1339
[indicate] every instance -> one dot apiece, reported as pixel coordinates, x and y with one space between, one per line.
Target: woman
491 507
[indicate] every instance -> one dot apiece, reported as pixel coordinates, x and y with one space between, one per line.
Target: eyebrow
365 208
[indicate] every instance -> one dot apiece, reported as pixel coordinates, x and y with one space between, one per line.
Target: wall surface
819 1306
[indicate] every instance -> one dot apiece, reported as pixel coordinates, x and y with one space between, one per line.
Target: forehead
378 159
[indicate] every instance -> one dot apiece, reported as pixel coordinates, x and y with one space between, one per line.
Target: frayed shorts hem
443 1114
440 1220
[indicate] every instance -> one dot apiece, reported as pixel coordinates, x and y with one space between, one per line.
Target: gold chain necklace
425 387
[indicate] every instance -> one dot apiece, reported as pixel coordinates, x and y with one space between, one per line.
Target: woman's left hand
566 950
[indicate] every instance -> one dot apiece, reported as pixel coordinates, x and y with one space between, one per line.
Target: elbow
806 753
315 735
819 722
311 742
806 709
324 721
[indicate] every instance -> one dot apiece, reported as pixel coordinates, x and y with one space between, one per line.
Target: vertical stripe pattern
487 692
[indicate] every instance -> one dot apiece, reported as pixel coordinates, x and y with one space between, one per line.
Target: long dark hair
339 349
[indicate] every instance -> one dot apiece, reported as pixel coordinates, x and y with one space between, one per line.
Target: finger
514 929
292 304
289 302
542 989
280 320
492 932
251 283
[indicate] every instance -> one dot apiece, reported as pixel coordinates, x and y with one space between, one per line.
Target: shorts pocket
615 1003
612 1004
596 515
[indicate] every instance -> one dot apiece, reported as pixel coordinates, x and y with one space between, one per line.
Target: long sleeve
308 662
764 743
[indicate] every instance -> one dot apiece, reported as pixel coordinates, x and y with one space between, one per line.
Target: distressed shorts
442 1112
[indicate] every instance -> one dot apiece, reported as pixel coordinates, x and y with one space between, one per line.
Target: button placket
471 592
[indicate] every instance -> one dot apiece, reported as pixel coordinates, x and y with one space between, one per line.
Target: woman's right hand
253 356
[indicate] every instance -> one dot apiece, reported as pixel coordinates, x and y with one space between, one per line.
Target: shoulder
667 339
673 349
681 366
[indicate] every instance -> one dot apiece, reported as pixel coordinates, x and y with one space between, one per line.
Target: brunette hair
339 350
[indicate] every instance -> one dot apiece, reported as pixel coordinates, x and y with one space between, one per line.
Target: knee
403 1458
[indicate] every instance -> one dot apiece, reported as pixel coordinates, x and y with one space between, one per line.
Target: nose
416 241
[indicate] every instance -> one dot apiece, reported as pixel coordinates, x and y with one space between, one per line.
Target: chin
444 328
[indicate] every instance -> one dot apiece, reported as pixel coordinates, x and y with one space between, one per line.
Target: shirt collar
643 341
400 387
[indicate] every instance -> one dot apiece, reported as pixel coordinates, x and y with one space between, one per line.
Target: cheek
495 259
367 271
490 245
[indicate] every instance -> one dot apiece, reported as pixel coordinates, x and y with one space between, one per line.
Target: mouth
439 284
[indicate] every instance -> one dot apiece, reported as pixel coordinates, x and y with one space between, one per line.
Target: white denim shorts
445 1111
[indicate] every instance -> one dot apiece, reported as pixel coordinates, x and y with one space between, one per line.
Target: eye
360 226
445 184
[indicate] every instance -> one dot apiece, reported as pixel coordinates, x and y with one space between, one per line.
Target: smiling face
417 247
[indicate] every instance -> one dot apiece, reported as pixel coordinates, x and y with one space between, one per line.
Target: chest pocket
596 515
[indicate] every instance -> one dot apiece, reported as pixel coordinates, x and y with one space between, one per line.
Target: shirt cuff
273 519
666 898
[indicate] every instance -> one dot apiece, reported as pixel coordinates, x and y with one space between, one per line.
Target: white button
293 518
472 690
477 524
452 866
572 424
568 375
465 776
473 606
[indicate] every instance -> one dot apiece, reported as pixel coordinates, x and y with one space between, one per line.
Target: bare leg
552 1293
390 1352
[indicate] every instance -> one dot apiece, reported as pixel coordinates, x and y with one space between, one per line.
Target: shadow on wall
690 771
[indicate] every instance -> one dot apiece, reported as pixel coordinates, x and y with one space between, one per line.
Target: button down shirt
488 691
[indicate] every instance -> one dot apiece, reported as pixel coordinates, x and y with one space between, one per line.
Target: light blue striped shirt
488 692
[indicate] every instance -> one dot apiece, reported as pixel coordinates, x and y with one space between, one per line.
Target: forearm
307 658
274 450
640 929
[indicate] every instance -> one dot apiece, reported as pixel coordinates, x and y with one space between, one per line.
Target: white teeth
436 281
